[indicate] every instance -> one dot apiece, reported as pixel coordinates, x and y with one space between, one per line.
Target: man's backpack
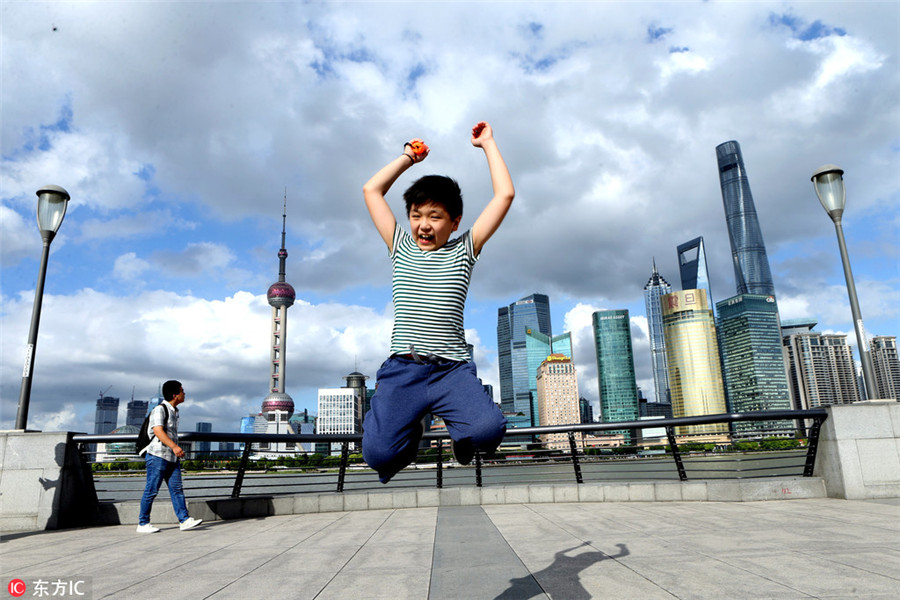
145 435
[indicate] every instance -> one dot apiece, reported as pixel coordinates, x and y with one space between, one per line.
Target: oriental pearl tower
281 296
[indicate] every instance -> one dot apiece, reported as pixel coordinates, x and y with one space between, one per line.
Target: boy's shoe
463 451
148 528
189 523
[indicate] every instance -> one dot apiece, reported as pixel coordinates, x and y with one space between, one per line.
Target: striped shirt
429 291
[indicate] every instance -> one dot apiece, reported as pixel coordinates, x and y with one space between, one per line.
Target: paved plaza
809 548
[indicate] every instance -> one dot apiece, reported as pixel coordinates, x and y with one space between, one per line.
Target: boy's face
431 225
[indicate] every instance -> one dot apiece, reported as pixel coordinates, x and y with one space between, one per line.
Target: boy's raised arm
375 189
504 192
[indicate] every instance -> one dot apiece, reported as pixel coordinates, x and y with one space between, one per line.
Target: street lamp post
51 208
829 183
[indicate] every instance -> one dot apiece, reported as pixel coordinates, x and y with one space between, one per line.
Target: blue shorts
406 391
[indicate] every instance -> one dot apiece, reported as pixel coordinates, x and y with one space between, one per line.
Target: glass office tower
615 367
106 416
531 312
655 289
135 412
537 348
752 360
695 373
751 264
692 267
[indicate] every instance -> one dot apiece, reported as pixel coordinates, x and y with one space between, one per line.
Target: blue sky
178 128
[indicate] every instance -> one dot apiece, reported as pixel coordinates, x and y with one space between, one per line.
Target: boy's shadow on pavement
562 574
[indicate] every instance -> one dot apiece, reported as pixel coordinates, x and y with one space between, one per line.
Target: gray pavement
803 548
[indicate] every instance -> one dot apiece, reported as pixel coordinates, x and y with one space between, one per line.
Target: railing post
477 468
345 454
812 445
670 433
575 464
239 478
440 464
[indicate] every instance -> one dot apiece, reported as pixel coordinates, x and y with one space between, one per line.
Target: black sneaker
463 451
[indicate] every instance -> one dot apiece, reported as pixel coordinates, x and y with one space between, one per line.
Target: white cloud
177 184
129 267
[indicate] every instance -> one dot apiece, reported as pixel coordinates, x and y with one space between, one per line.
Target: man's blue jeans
159 470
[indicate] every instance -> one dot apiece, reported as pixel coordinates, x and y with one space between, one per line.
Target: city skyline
608 115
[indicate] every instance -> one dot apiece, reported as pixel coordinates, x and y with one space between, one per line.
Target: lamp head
829 183
51 208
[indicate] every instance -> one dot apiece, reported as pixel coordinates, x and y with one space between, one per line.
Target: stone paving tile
818 548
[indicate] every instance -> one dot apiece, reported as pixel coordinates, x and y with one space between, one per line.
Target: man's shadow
564 568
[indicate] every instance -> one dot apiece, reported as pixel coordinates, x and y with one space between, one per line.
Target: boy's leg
471 415
392 428
154 479
176 490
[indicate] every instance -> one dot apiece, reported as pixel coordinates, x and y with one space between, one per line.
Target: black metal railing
537 464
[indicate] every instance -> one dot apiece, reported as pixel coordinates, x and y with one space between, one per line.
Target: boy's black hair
170 388
438 189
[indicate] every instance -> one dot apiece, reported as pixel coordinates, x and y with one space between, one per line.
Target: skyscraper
748 251
693 268
615 366
695 372
886 365
106 417
531 312
655 289
537 348
203 449
135 411
558 400
752 359
820 367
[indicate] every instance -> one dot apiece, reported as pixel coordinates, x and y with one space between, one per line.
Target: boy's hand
416 150
481 133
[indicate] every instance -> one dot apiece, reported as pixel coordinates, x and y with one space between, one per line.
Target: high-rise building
557 392
886 365
752 360
339 411
531 312
751 264
106 417
615 366
695 372
655 289
136 410
587 410
281 296
154 402
537 348
820 367
693 268
202 449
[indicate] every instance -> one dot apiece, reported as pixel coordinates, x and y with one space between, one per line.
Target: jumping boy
430 368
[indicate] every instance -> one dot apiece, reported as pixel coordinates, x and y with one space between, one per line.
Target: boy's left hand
481 133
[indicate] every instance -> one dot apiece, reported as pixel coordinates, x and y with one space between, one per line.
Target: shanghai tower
751 265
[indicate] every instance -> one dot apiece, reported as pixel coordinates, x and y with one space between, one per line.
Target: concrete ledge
738 490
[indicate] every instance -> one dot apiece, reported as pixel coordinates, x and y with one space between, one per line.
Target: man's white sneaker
190 523
148 528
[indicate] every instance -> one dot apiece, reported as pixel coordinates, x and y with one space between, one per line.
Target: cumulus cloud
178 152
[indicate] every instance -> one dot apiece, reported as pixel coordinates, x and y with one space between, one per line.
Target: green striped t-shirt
429 292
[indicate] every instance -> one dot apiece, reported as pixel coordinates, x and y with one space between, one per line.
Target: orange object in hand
417 147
